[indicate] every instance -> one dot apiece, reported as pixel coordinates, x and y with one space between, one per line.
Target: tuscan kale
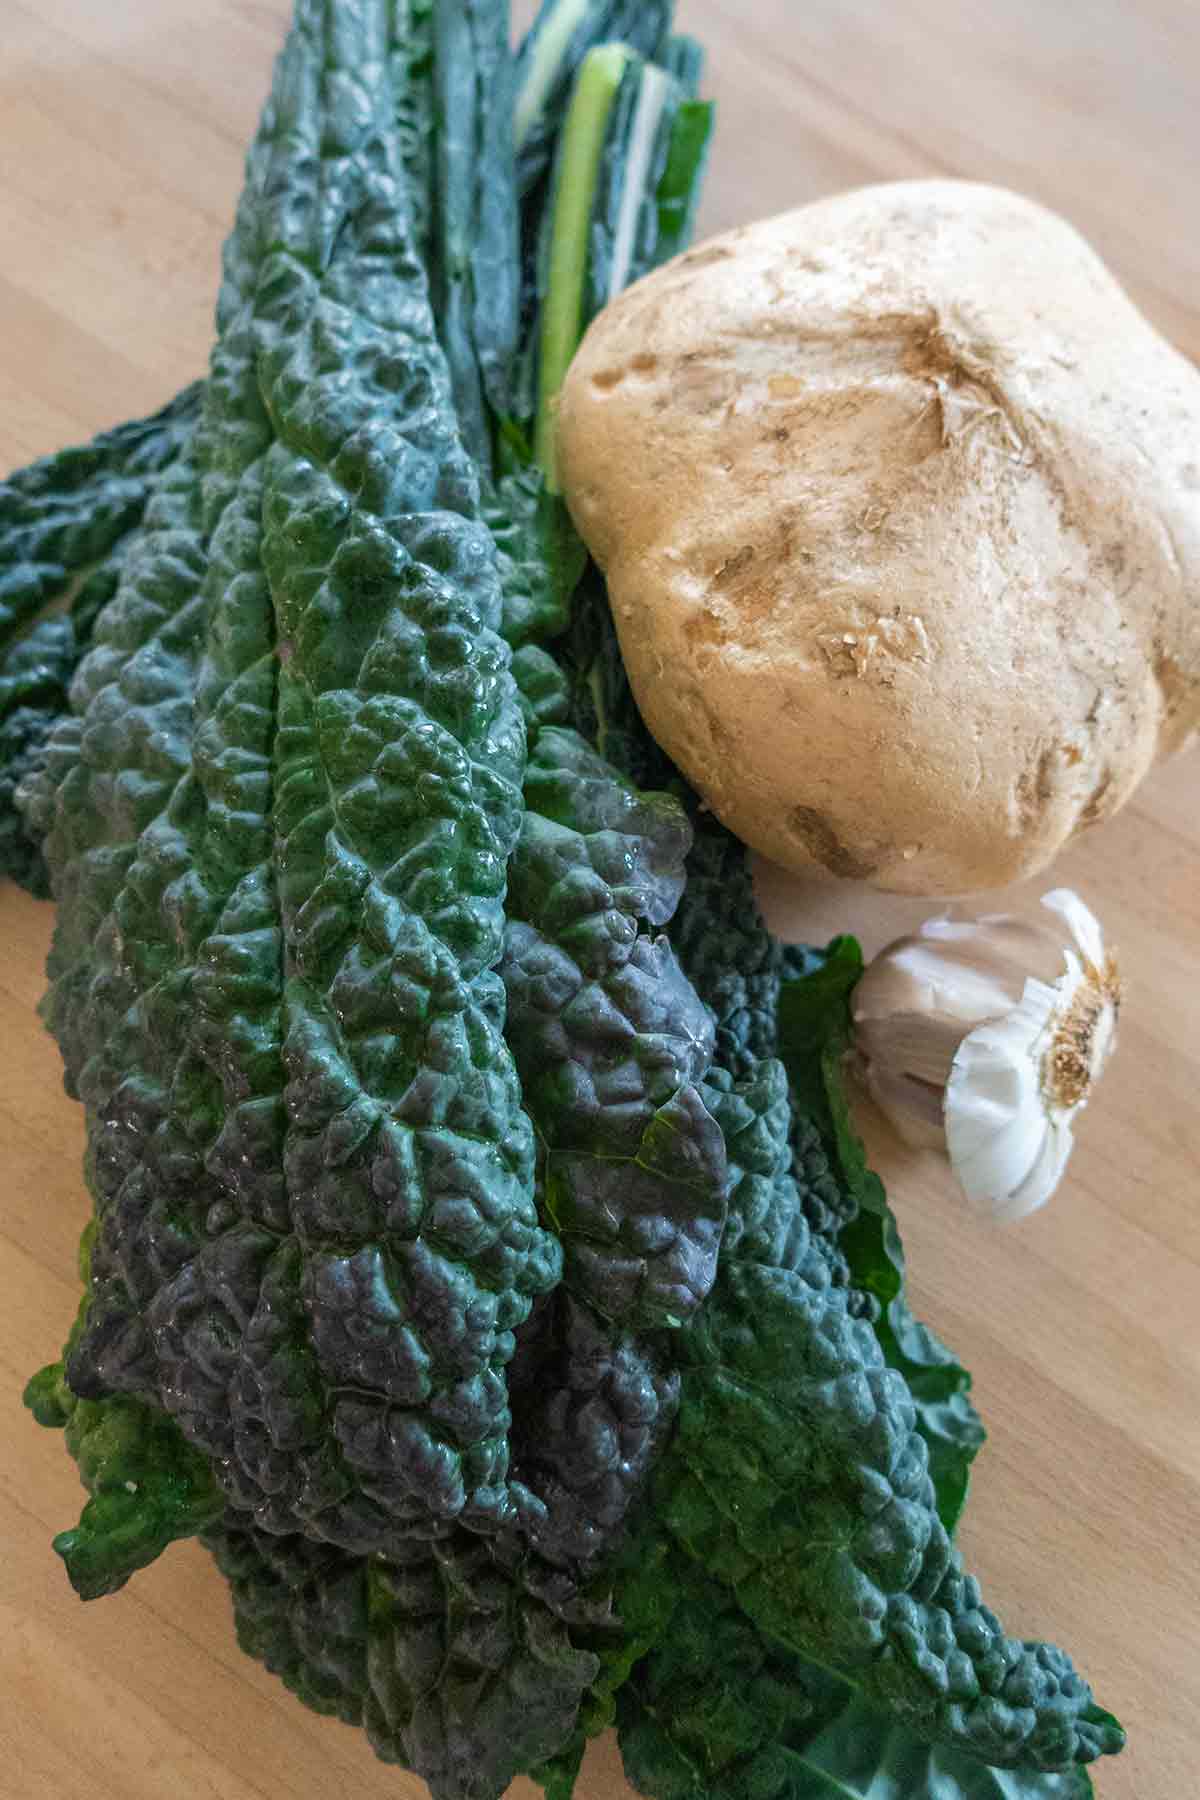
483 1262
66 525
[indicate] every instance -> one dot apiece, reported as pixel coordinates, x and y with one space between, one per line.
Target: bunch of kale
481 1259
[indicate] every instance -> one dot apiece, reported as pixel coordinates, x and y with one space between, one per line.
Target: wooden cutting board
122 131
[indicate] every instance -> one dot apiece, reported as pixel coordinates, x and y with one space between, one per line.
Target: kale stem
562 318
547 52
655 90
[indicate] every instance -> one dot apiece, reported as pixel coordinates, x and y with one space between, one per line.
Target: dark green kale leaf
295 789
300 1608
476 1671
412 58
34 679
591 1400
611 1044
476 290
798 1477
727 951
718 934
66 527
611 1040
719 1712
148 1486
316 1229
715 1711
539 556
860 1753
460 1659
815 1037
66 512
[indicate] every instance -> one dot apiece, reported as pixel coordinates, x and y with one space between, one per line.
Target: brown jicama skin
898 498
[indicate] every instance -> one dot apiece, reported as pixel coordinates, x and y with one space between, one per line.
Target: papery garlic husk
984 1038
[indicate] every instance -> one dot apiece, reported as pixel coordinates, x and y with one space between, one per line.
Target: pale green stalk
562 318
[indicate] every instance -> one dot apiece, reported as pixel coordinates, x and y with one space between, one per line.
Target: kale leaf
66 526
288 832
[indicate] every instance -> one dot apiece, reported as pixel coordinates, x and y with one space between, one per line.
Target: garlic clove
1081 921
914 1108
997 1129
1043 1178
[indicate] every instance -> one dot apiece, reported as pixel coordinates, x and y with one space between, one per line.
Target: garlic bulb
984 1037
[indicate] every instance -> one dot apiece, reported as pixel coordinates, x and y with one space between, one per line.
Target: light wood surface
122 130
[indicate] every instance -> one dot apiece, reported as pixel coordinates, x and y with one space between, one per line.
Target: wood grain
122 130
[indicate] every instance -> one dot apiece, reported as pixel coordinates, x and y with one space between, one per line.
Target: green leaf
67 525
558 1777
813 1020
476 214
815 1035
679 189
861 1755
940 1386
48 1397
714 1710
148 1486
539 555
